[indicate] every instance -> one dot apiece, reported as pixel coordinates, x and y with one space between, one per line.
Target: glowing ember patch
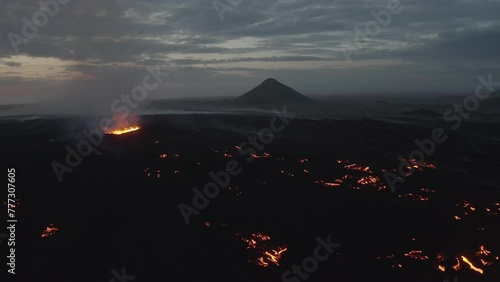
420 166
483 251
261 262
336 183
414 197
358 182
275 255
163 156
358 168
457 266
120 131
493 209
417 255
486 263
263 253
49 231
472 265
330 184
485 256
396 266
466 209
428 190
369 180
264 156
254 239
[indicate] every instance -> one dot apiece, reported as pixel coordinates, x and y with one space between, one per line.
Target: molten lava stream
120 131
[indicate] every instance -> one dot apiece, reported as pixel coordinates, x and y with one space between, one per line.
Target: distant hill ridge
272 91
424 112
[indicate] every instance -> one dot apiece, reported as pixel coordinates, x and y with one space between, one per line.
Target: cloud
113 39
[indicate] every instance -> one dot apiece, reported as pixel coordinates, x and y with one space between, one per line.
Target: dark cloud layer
430 46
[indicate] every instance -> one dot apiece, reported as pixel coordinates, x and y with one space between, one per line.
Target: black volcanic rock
272 91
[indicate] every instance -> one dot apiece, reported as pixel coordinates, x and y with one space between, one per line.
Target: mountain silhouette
272 91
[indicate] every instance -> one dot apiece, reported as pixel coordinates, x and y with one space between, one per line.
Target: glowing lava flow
121 131
472 266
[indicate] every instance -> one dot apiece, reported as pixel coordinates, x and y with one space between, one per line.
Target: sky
94 50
